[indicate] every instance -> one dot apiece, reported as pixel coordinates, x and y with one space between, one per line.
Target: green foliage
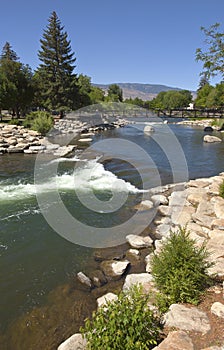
212 57
55 78
14 122
210 97
202 96
171 99
126 323
40 121
221 189
16 90
115 93
180 270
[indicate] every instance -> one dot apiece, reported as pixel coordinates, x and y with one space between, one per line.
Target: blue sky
145 41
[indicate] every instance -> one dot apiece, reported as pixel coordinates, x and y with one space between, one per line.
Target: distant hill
143 91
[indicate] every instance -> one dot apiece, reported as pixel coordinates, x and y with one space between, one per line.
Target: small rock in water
84 279
138 242
148 129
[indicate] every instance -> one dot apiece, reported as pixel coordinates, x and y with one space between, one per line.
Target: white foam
91 175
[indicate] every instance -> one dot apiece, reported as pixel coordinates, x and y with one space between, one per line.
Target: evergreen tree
8 53
55 73
16 90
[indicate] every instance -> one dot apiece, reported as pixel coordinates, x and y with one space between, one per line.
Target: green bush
218 122
126 323
40 121
14 122
221 189
180 270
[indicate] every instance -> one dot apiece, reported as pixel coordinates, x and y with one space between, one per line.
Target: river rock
208 129
176 340
75 342
159 199
218 309
144 205
139 242
185 318
133 256
114 269
181 216
137 278
105 299
98 278
85 140
211 139
164 210
218 224
37 148
163 230
204 214
84 279
218 203
148 260
148 129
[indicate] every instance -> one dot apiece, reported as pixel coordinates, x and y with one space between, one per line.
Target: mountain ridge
143 91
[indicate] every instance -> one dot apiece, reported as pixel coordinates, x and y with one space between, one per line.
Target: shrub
40 121
14 122
180 270
218 122
126 323
221 189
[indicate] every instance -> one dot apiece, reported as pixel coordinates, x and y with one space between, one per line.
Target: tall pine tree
55 73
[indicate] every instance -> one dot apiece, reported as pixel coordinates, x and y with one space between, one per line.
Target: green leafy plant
40 121
126 323
180 270
221 189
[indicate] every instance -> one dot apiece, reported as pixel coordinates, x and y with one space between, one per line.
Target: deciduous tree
213 56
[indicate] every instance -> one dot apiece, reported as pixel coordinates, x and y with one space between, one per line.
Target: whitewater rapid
91 175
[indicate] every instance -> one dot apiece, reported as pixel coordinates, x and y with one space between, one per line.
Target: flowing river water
40 303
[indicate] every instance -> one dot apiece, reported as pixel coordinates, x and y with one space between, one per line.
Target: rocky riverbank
18 139
198 206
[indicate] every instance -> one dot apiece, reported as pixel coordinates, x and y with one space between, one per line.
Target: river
38 265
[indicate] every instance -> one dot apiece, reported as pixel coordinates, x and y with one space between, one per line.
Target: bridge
192 112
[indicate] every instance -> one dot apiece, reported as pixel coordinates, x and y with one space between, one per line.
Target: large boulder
176 340
211 139
188 319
